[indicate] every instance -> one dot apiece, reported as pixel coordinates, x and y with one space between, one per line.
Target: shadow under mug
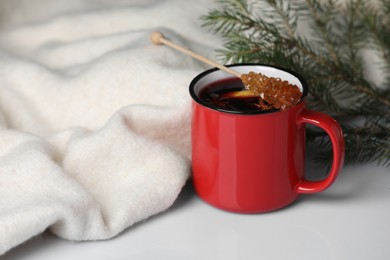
253 162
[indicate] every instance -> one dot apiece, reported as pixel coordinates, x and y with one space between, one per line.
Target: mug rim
244 112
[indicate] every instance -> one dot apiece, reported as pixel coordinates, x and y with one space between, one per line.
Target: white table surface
351 220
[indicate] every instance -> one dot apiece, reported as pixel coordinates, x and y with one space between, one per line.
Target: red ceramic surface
252 163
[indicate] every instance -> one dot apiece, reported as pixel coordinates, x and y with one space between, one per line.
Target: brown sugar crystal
273 92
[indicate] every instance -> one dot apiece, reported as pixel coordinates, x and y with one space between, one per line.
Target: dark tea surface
218 95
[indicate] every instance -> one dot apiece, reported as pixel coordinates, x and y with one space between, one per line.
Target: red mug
254 161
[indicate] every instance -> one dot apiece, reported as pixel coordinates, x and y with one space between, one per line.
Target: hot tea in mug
248 156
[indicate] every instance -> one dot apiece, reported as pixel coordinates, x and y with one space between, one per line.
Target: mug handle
333 129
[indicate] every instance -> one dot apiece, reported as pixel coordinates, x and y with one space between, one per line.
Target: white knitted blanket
94 119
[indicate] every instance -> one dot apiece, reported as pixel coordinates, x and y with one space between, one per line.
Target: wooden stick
158 39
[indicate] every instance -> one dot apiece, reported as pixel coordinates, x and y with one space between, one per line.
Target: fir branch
330 58
365 143
379 27
320 23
